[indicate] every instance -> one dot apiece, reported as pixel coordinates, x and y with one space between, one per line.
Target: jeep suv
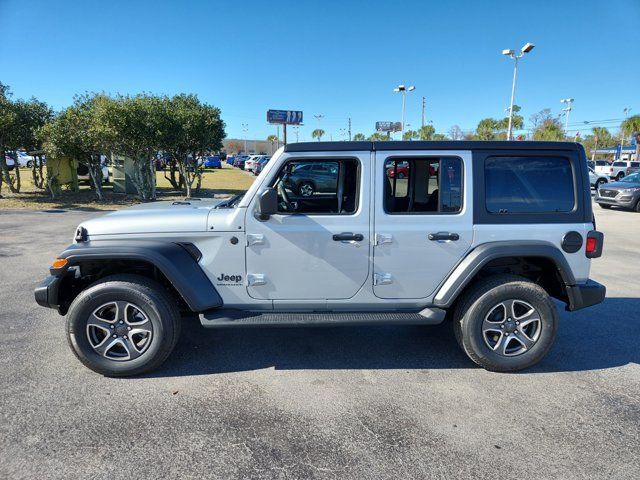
482 234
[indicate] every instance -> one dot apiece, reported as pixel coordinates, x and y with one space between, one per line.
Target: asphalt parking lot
382 402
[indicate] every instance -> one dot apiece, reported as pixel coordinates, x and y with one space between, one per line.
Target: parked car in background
597 179
602 167
623 193
401 170
620 169
24 159
239 161
251 162
260 165
310 178
83 172
230 159
212 161
11 163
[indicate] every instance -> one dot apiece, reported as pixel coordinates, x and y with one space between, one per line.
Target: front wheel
123 325
506 323
605 206
599 183
620 176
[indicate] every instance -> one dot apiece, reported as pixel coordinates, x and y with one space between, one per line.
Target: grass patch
215 183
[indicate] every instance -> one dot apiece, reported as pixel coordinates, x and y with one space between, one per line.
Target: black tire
402 175
637 209
481 299
156 304
605 206
620 176
30 164
599 183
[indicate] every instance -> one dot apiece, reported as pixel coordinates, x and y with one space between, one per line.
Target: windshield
633 178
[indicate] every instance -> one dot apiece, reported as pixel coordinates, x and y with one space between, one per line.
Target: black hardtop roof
426 145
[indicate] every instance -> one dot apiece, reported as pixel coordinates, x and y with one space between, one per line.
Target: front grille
608 193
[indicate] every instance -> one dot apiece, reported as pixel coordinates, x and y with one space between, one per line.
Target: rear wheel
637 209
505 323
620 176
123 325
600 182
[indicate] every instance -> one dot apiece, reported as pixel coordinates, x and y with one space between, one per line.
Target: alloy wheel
119 331
511 328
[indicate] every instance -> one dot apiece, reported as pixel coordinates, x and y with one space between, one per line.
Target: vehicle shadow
603 336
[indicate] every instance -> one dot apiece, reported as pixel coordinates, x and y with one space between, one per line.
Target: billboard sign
388 126
289 117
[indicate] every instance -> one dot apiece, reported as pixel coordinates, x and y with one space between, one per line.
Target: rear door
423 220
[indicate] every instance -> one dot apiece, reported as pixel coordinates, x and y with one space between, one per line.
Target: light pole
296 131
511 53
319 117
567 109
403 90
245 129
626 111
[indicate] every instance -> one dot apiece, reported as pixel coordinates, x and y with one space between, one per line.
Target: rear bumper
46 292
585 295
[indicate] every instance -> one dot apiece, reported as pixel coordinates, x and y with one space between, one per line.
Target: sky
339 59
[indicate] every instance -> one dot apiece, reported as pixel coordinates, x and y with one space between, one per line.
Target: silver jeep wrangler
483 234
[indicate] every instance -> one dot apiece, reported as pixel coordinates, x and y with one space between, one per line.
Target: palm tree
632 125
359 137
272 139
317 133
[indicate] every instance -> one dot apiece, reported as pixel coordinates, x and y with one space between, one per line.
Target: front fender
177 262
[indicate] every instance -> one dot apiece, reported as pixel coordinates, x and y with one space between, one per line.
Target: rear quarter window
619 164
534 184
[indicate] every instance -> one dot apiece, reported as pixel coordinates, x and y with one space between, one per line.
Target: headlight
629 190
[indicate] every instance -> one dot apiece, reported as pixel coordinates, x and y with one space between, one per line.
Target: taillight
628 170
611 170
595 241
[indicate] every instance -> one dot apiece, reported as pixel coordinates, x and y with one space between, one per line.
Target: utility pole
349 128
424 100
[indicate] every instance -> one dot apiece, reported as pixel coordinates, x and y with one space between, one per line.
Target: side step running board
239 318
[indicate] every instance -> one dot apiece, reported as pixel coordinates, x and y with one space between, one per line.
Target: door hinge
382 278
383 238
256 279
255 239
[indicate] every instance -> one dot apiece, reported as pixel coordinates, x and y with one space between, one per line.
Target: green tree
74 134
549 130
379 137
631 126
359 137
410 135
191 129
426 133
7 127
600 137
272 139
31 116
487 129
317 133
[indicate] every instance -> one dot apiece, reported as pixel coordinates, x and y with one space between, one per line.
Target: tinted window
529 185
423 185
635 164
601 163
619 164
320 187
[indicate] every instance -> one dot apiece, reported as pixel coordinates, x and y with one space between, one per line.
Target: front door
317 246
423 220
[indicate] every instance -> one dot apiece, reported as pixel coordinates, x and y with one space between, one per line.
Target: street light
245 129
402 89
569 102
511 53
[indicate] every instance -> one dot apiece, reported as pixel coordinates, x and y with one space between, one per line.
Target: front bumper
46 292
585 295
625 200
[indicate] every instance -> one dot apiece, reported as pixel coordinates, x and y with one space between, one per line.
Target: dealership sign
388 126
287 117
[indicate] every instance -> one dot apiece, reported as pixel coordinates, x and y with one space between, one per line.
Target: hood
155 217
619 185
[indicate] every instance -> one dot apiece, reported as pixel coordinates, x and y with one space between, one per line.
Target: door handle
444 236
348 236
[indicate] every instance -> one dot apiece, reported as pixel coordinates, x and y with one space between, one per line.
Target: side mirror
267 204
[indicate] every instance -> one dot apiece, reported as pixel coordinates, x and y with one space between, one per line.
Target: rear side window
601 163
529 185
423 185
619 164
635 164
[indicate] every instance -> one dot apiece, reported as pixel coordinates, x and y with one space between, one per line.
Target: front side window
425 185
318 186
529 185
